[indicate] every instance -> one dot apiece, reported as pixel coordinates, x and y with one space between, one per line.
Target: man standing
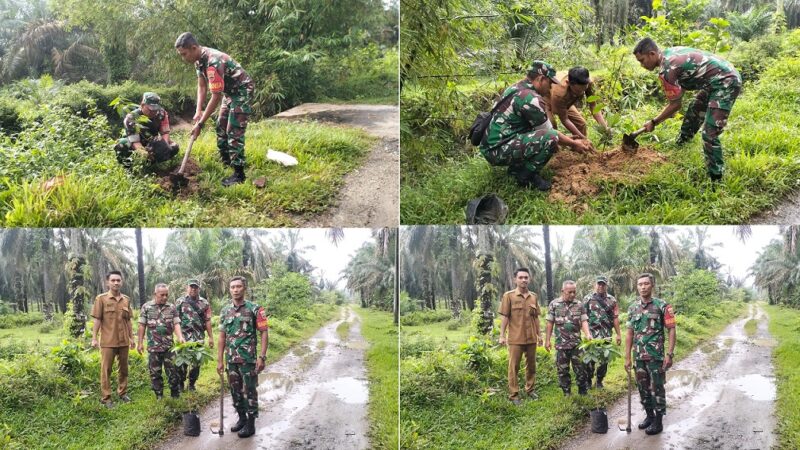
684 68
520 135
520 316
195 318
112 319
141 133
647 318
576 87
602 310
161 320
224 77
568 318
240 322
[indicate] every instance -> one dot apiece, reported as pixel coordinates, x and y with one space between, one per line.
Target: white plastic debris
282 158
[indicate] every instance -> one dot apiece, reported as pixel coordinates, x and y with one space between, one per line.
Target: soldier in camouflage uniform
603 312
684 68
520 135
648 317
221 74
144 126
239 325
160 319
568 318
195 316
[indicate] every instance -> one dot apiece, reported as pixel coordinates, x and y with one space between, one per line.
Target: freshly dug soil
187 188
577 176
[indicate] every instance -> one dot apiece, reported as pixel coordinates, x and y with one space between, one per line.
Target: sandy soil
315 397
577 176
371 193
720 396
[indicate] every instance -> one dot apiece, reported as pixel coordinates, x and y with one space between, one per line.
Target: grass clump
784 325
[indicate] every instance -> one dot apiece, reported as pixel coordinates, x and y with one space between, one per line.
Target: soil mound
578 175
187 188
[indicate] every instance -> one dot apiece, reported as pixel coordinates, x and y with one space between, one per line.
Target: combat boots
656 426
241 423
236 178
599 384
249 428
651 415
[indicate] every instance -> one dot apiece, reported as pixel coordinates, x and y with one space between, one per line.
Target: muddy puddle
579 176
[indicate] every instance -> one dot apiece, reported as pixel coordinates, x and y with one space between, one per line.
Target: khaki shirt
523 317
561 98
114 314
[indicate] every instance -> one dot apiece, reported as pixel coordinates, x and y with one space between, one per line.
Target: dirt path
720 396
371 193
787 211
315 397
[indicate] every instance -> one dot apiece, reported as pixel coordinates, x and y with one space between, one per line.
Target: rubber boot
651 415
656 426
599 384
249 427
236 178
539 183
241 423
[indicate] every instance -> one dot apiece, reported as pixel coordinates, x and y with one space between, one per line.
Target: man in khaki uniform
520 316
112 318
575 88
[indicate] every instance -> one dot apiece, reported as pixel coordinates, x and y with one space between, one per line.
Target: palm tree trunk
486 290
77 294
140 267
548 264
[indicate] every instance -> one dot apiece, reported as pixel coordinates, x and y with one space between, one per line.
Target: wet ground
787 211
722 396
371 193
315 397
577 176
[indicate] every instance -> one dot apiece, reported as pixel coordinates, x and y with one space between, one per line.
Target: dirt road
721 396
787 211
371 193
315 397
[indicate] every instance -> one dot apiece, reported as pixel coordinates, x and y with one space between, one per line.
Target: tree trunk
247 250
140 267
487 292
548 264
77 293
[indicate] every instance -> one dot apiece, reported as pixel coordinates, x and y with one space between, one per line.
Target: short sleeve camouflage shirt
566 318
194 315
159 322
241 325
525 113
685 68
601 311
648 321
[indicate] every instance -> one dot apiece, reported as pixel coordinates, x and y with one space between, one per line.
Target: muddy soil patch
188 188
577 176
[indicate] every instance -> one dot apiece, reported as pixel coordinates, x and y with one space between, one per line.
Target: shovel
221 430
629 140
178 179
619 423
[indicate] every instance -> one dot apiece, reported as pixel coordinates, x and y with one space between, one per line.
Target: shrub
20 319
425 317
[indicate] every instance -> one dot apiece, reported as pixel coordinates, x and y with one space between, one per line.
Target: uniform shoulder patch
262 323
669 317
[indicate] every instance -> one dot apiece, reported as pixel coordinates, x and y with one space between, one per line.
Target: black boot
567 392
241 423
651 415
236 178
191 386
159 396
656 426
599 384
539 183
715 177
249 428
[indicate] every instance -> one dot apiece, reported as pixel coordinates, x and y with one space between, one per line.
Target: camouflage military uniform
144 132
719 83
225 75
241 326
648 321
567 318
520 135
601 311
160 321
193 317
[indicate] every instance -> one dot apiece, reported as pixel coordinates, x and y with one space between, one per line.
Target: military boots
656 426
236 178
651 415
249 428
241 423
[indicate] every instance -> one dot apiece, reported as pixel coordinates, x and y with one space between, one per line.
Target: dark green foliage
20 319
427 316
10 122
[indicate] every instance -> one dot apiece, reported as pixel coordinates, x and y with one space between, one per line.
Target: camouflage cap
152 100
602 279
193 282
542 68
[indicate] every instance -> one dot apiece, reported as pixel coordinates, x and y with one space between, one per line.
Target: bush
425 317
10 121
20 319
288 294
365 73
751 58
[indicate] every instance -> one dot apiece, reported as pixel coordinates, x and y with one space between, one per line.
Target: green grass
62 421
445 404
343 330
762 137
784 325
97 192
750 327
378 329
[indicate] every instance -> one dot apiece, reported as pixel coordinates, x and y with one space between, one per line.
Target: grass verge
381 334
784 325
448 404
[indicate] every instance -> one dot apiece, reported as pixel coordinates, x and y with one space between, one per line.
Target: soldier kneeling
147 133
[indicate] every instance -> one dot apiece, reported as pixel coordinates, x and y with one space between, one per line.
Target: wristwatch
262 357
670 355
